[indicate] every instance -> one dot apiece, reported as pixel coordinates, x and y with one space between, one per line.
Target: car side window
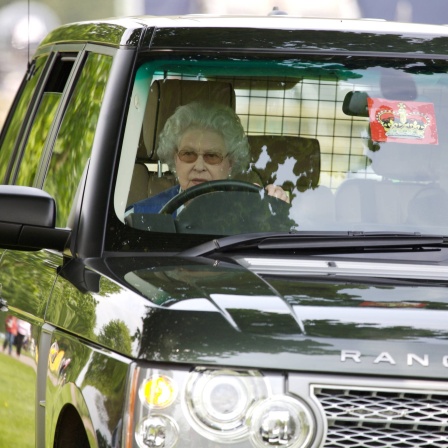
75 138
10 141
44 119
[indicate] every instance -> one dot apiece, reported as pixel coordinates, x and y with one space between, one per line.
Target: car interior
313 138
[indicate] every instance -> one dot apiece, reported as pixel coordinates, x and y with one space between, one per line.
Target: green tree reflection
107 374
75 139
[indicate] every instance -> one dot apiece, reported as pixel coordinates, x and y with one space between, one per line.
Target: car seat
164 98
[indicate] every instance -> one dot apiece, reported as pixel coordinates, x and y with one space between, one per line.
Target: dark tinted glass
10 141
75 138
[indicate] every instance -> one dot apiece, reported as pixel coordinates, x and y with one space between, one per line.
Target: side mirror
27 220
355 104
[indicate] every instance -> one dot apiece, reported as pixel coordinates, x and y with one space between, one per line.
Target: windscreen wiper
316 241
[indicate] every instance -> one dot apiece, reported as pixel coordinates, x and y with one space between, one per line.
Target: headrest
167 95
355 104
286 160
393 85
397 85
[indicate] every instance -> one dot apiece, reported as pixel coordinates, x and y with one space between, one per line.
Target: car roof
128 31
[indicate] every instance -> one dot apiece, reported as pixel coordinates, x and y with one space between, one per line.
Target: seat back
294 164
289 161
165 97
402 172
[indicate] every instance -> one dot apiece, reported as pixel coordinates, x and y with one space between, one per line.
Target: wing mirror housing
27 220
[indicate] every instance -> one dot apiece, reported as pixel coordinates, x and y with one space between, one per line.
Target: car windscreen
217 147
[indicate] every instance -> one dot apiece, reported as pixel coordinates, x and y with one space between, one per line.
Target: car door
46 144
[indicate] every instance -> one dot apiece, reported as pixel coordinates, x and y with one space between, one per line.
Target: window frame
29 121
22 131
172 242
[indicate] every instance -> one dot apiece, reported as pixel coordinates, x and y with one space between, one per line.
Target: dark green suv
273 274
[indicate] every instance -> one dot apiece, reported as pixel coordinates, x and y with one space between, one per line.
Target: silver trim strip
290 266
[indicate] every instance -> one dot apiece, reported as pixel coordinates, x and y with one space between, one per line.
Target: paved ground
25 358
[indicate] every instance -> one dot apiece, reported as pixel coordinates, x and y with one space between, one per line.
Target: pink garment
11 325
23 328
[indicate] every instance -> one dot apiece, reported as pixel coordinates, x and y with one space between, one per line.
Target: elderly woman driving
201 142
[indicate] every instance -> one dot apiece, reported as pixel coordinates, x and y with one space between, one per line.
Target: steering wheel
207 187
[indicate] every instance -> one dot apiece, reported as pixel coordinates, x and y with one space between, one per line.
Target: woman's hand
277 192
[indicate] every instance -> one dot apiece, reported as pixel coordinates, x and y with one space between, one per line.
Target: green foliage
107 374
38 136
10 141
71 309
16 403
30 294
116 334
75 139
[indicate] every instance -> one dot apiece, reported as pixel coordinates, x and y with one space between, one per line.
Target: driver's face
204 158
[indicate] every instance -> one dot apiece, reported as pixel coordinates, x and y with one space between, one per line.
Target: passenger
201 142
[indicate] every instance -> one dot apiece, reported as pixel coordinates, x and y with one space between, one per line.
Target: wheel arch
70 431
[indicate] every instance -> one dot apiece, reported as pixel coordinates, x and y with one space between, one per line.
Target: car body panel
299 323
118 33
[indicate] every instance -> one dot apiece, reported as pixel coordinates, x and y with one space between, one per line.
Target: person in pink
10 332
